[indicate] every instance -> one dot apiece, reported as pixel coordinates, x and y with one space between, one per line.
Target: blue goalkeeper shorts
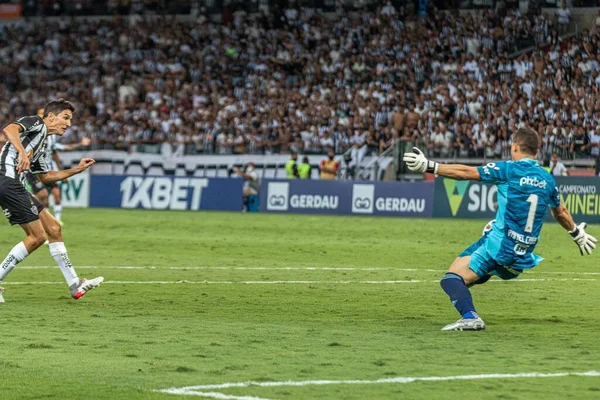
483 264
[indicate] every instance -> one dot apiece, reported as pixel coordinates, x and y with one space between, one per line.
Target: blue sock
459 294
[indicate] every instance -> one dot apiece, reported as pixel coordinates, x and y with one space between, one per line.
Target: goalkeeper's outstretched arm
584 240
419 163
459 172
563 217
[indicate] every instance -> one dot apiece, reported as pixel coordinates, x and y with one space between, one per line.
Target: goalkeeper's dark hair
57 106
528 141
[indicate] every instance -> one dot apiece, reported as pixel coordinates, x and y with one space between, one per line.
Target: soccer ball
488 227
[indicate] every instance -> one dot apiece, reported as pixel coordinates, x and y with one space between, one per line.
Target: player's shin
460 296
59 253
15 256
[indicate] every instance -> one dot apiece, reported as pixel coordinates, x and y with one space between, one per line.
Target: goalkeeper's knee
481 280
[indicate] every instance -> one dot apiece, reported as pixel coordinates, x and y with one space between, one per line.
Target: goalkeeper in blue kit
525 190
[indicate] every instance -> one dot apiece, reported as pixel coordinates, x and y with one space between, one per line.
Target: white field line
186 282
200 389
222 396
135 267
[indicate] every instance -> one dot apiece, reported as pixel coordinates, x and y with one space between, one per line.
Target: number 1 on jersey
533 200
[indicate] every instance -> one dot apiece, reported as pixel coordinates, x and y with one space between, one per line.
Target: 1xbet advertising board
166 192
341 197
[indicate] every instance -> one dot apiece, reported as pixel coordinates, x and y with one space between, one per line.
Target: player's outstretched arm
55 176
584 240
417 162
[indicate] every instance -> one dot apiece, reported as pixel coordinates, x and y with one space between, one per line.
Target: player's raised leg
39 191
34 239
42 197
455 283
78 286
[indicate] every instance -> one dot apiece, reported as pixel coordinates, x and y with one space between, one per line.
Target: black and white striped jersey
33 138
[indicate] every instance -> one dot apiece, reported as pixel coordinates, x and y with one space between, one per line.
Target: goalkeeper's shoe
463 324
79 289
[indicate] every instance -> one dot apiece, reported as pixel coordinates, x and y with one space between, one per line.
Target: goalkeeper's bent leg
460 296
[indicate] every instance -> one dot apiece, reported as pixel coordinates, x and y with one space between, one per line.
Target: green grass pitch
345 298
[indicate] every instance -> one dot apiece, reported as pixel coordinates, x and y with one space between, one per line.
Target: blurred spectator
251 180
388 10
329 167
104 7
563 15
304 169
595 148
556 167
291 167
595 143
580 143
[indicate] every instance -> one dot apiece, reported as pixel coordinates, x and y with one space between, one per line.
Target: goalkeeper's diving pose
525 190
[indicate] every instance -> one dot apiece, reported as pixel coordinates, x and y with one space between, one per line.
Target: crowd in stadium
309 83
103 7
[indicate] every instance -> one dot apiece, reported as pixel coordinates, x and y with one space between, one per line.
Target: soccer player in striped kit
26 150
42 192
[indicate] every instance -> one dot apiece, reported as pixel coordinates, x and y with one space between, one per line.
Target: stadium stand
302 80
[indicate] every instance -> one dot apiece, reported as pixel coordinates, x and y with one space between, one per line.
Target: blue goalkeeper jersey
525 191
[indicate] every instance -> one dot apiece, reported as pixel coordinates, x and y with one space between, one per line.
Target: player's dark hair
528 141
57 106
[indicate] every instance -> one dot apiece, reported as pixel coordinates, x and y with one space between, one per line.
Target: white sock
58 211
16 255
59 253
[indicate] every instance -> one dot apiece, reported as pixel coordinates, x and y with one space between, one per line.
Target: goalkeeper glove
585 241
418 163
